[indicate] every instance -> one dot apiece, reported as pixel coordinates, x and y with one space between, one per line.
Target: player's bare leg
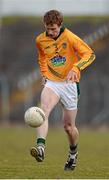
73 134
48 100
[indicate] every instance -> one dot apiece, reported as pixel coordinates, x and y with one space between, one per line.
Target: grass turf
16 163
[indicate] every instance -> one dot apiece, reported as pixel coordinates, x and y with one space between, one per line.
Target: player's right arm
41 59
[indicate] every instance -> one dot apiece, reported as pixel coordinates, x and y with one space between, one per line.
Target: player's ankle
40 143
73 149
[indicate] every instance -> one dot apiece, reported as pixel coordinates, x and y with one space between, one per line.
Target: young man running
62 56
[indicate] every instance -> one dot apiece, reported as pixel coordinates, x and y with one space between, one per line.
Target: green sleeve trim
85 63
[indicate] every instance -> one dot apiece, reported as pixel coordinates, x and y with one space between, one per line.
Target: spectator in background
62 56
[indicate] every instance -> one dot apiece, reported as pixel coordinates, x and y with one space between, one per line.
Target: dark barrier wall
18 58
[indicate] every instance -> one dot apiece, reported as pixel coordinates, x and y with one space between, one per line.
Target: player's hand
72 76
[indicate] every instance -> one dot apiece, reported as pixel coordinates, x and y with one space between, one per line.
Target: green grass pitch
16 162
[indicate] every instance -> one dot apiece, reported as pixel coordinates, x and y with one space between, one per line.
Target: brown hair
53 17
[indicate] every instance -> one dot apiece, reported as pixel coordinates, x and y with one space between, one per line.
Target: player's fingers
71 79
75 78
68 77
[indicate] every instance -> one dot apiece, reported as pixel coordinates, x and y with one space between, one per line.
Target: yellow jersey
58 57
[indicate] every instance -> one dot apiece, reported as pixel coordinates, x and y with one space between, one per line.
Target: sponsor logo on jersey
58 60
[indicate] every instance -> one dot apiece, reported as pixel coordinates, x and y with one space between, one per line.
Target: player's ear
44 24
61 25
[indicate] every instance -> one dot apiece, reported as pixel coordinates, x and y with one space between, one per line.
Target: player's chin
51 36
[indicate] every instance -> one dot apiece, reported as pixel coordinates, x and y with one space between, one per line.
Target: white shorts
66 91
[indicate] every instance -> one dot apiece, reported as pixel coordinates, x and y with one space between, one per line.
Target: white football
34 116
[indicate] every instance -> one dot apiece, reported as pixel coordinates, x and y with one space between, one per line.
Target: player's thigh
48 99
69 116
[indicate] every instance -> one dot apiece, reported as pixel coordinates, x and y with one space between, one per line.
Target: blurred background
20 81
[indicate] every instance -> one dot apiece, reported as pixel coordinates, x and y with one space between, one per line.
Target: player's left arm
84 52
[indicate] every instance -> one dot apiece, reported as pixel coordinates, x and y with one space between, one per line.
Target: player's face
53 30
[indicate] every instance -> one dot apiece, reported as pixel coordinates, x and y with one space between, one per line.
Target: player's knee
46 110
68 128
